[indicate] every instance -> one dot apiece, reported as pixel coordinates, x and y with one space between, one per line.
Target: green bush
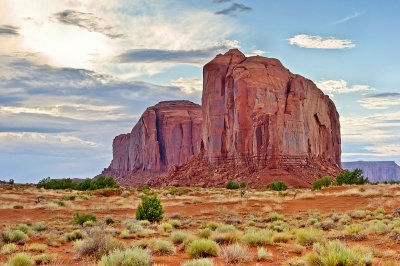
80 219
150 209
128 257
333 253
178 237
43 259
23 227
21 259
75 235
354 177
202 248
277 186
307 237
162 247
10 236
232 185
109 220
87 184
320 183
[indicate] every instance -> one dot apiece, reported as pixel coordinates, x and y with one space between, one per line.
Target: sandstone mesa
258 122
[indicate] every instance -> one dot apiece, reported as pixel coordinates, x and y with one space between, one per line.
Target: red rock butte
258 123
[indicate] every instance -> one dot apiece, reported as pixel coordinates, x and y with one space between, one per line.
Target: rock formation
255 110
255 115
167 135
376 171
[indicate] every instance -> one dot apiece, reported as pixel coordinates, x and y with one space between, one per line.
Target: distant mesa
258 122
376 171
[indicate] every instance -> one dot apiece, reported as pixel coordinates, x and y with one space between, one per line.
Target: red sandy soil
199 207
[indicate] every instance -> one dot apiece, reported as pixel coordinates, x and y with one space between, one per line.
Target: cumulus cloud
318 42
234 9
333 87
192 85
380 100
8 30
87 21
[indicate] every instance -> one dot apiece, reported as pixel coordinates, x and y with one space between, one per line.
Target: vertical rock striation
255 110
166 135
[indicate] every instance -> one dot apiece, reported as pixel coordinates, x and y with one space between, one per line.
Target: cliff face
255 110
378 171
166 135
257 121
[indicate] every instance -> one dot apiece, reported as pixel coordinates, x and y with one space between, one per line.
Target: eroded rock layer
256 111
258 122
167 134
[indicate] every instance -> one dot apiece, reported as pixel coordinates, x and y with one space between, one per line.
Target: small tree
277 186
320 183
232 185
150 209
354 177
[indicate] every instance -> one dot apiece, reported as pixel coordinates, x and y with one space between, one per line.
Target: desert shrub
23 227
274 216
232 185
89 224
150 209
277 186
10 236
80 219
320 183
68 197
199 262
174 223
225 228
281 237
8 248
75 235
236 253
179 237
108 220
263 254
258 238
335 253
162 247
202 248
87 184
40 226
178 191
37 247
377 227
97 244
60 203
307 237
20 259
43 259
129 257
354 177
125 234
204 233
144 188
227 237
211 225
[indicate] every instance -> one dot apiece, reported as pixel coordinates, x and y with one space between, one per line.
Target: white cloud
332 87
380 101
143 25
348 17
318 42
384 150
192 85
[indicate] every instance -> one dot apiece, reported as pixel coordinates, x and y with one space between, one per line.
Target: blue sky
74 74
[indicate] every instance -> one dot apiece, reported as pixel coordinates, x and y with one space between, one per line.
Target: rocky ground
362 217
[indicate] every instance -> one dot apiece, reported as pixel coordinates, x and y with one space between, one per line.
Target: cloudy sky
74 74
